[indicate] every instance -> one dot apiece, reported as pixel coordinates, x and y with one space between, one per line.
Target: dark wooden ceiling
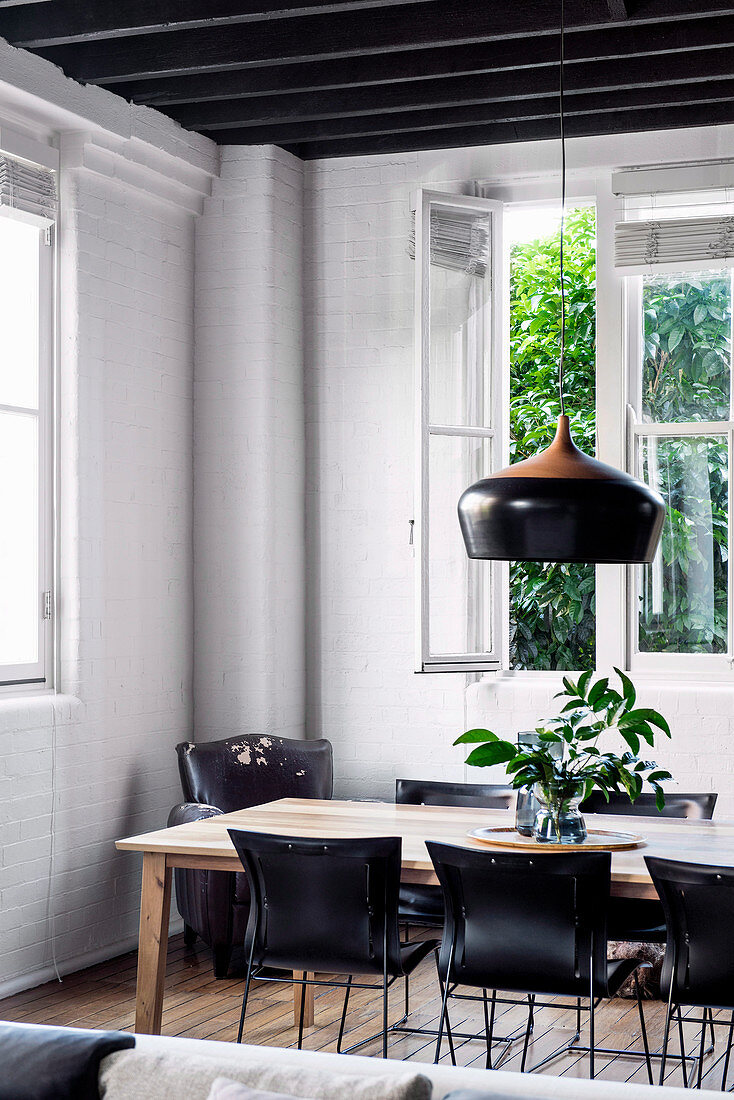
338 77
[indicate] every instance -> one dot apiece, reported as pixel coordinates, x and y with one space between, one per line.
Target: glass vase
558 820
526 807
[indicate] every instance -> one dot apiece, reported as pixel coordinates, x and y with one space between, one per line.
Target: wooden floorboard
199 1006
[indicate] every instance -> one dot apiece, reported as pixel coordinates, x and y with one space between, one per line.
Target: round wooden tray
597 840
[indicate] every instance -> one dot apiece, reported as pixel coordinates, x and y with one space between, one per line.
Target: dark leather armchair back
251 769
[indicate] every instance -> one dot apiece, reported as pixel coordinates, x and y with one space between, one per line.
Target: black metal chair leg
489 1023
344 1015
643 1029
682 1048
248 979
384 1008
444 1000
407 995
300 1018
704 1021
592 1070
525 1045
729 1039
666 1037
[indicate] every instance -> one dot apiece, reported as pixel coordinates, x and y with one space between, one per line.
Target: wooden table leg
300 991
155 907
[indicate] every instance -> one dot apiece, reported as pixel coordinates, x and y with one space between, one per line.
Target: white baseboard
79 962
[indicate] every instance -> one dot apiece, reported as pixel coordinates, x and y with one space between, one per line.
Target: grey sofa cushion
224 1088
134 1075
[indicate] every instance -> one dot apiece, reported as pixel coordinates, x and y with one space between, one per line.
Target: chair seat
636 920
411 954
421 904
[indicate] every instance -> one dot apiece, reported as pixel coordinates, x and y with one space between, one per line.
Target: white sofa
445 1078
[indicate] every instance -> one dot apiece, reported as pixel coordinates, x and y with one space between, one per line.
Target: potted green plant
562 782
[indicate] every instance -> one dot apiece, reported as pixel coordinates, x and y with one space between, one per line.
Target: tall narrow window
683 443
552 605
26 313
458 276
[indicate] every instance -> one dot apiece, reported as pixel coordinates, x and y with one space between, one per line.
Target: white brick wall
249 448
362 693
126 406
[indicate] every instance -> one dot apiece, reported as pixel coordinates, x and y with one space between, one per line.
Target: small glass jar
558 821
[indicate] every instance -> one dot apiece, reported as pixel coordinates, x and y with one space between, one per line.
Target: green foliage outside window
686 377
552 621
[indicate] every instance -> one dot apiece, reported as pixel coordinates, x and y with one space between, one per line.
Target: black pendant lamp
561 505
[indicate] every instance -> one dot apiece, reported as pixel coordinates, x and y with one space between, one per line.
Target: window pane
458 586
683 594
686 370
459 389
552 607
18 314
19 594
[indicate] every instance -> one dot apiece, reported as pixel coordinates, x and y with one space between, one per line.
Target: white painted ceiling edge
38 102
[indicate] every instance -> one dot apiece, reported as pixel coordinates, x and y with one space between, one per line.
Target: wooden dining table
206 845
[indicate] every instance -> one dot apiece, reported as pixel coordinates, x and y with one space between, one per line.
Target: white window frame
698 666
426 661
39 675
616 382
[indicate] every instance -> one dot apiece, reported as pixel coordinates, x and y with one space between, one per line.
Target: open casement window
27 217
679 304
459 430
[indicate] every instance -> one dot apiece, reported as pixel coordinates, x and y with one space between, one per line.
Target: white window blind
686 243
27 188
460 241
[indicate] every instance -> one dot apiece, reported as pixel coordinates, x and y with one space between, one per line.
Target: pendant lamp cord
563 214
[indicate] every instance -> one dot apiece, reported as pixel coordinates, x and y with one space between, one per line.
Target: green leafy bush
686 377
552 621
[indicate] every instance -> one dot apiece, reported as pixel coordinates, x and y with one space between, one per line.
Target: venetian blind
640 246
27 188
459 240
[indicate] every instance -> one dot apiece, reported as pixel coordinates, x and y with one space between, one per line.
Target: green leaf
628 688
496 752
632 740
472 736
646 714
597 691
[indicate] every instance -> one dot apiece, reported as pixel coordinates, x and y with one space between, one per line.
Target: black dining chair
328 906
641 920
420 903
533 924
698 967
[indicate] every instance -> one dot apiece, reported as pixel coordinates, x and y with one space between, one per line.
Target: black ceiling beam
319 37
707 44
507 112
613 122
81 21
595 77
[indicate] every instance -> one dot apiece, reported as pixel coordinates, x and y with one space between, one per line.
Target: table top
710 842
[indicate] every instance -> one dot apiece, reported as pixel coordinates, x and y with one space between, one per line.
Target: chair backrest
698 806
249 770
421 792
523 921
322 904
698 901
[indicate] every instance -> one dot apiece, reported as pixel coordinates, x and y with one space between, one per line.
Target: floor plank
198 1006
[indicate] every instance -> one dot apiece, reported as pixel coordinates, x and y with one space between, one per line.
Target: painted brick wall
126 402
249 448
362 693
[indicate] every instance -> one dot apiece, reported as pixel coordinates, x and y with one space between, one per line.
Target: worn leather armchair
218 777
